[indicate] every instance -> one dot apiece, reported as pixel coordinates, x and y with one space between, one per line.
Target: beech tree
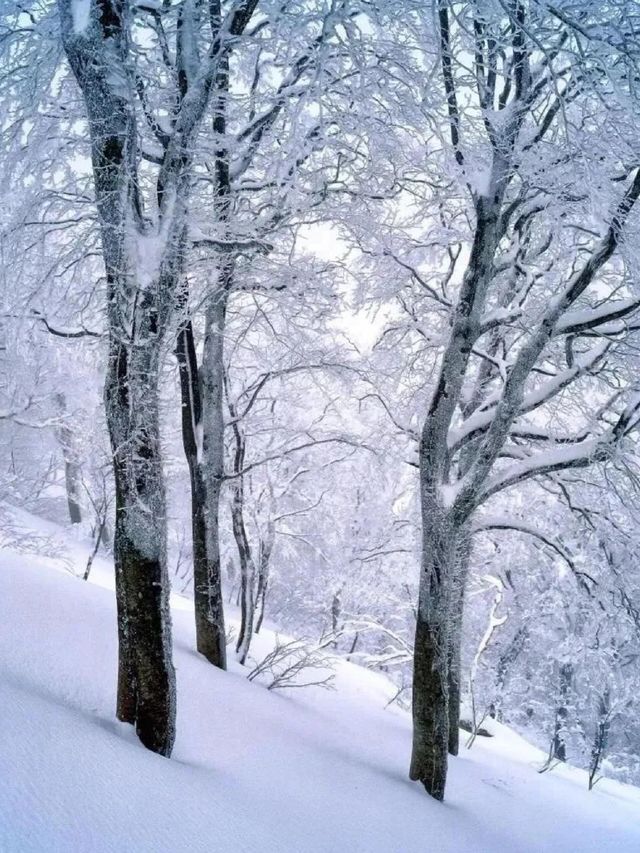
143 217
269 161
500 363
507 249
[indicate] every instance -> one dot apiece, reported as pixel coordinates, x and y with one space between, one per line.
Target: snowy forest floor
297 771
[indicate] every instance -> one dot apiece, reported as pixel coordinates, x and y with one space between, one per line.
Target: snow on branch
283 666
509 406
518 525
580 455
592 318
546 391
59 332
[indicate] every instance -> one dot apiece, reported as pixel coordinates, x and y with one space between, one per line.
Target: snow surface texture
300 771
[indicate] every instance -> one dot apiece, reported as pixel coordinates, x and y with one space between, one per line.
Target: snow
596 316
81 12
311 771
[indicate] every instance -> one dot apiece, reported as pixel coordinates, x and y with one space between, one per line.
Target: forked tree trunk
146 678
140 304
207 590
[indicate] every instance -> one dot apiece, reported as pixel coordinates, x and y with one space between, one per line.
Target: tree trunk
266 546
247 573
559 745
336 610
208 593
431 660
126 697
247 566
72 475
146 677
454 691
430 706
458 586
601 738
72 466
207 589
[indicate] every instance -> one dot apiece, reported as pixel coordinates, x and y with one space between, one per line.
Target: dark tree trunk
247 564
146 677
247 573
431 657
454 694
207 588
559 745
354 644
126 698
458 585
209 603
266 546
430 705
601 738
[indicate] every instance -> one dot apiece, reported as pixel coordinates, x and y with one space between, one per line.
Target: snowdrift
299 771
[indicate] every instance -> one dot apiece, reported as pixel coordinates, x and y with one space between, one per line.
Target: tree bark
601 737
247 565
458 586
430 707
559 745
266 546
207 589
72 466
455 643
431 657
247 573
146 677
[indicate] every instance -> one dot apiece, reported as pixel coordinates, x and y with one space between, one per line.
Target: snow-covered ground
304 771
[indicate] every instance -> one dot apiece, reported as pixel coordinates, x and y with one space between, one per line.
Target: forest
322 317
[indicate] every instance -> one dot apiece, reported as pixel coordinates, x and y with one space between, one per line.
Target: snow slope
308 771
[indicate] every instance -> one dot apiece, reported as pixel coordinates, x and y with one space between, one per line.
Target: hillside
299 771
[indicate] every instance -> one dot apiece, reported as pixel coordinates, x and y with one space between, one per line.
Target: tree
266 168
143 237
515 297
